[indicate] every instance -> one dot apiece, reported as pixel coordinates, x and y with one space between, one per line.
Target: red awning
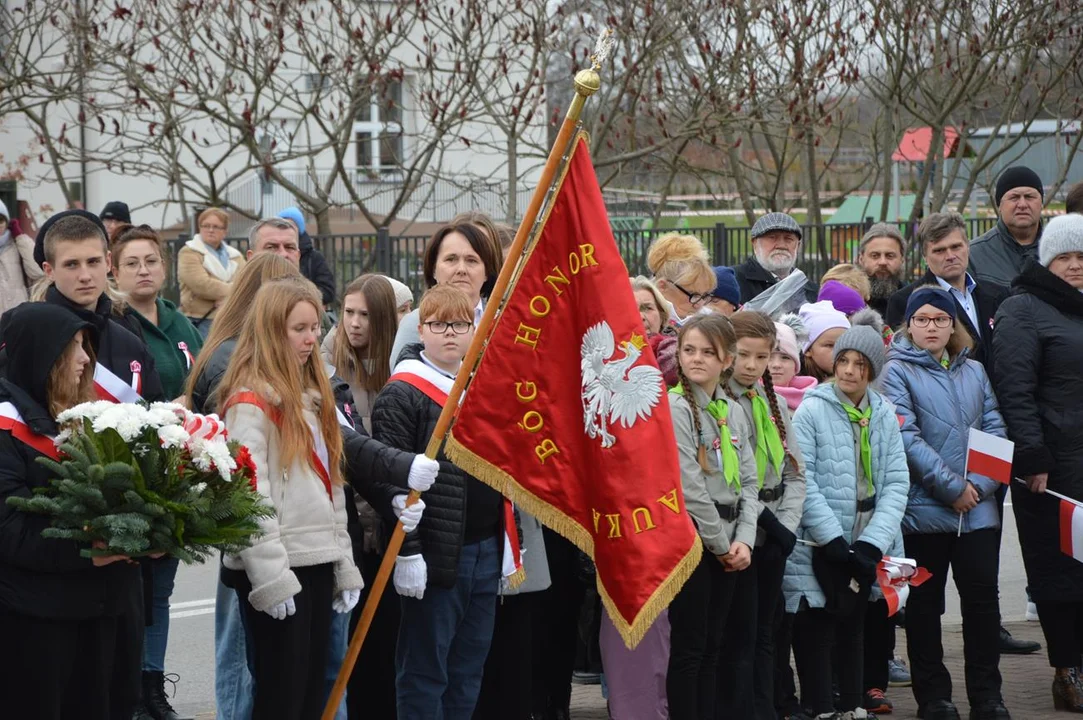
914 146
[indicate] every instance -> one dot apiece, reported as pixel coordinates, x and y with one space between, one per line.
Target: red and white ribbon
183 347
205 427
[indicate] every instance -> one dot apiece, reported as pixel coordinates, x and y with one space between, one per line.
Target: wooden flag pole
587 82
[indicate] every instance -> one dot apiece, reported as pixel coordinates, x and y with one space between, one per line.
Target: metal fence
400 256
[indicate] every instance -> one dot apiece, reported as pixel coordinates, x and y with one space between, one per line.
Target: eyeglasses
922 321
212 228
459 327
133 265
695 299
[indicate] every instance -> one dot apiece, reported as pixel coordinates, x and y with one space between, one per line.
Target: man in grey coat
998 255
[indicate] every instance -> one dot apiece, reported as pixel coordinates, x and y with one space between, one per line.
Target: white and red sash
113 389
317 458
12 421
436 386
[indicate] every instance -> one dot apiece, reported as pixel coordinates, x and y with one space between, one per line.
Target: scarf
862 419
768 441
728 461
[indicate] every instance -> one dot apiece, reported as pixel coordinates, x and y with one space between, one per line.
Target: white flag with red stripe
1071 530
990 456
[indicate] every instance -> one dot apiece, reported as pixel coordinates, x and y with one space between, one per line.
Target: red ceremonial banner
567 413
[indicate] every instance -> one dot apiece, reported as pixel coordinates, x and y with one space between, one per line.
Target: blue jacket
938 406
824 433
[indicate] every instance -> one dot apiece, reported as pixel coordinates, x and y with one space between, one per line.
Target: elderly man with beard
776 240
880 255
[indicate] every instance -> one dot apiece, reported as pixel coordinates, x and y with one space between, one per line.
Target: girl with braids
721 493
747 671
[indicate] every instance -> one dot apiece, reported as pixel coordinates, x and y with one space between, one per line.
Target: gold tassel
632 633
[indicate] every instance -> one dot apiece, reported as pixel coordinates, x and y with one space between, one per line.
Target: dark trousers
444 639
1062 625
557 626
879 645
786 702
973 561
824 642
55 669
747 658
287 658
506 684
697 617
371 691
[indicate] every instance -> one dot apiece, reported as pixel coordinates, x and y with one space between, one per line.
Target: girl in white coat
278 403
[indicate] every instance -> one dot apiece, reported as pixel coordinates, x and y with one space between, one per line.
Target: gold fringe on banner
556 520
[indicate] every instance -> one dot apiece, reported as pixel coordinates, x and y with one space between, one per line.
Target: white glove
410 516
410 576
422 473
282 610
346 601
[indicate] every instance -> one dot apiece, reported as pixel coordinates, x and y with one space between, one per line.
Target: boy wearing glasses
449 569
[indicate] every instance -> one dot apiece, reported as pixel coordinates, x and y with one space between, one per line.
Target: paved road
191 641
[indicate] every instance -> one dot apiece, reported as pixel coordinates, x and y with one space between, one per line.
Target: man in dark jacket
74 256
313 264
776 242
66 620
880 255
944 247
998 255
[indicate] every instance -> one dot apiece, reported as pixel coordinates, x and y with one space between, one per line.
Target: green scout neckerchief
862 419
724 447
768 441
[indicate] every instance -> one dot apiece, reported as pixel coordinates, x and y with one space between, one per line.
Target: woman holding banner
951 515
1037 345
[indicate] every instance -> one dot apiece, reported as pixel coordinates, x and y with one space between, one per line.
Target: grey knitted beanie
866 341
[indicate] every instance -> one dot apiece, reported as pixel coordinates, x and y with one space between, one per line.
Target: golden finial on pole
588 81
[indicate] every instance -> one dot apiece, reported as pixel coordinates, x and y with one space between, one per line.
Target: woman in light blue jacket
856 480
951 516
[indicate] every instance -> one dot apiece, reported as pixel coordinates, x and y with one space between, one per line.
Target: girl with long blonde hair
278 402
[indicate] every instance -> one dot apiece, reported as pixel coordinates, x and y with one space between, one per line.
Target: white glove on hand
282 610
422 473
411 574
346 601
410 516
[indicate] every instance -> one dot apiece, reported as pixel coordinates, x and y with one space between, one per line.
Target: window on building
378 132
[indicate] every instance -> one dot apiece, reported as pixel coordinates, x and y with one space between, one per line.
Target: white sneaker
1032 612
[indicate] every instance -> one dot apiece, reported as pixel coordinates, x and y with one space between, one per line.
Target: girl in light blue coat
856 480
951 517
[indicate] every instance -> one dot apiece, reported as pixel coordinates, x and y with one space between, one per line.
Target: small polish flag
990 455
1071 530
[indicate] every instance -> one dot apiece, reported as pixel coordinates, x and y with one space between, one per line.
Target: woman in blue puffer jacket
951 516
856 479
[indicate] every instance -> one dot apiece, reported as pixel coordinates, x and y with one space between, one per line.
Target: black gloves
837 551
866 557
777 532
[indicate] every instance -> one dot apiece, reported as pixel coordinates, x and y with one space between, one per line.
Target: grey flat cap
775 221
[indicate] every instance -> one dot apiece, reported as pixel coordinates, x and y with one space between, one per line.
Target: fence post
721 242
383 250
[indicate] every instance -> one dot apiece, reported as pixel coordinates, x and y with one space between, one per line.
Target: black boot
154 697
1011 646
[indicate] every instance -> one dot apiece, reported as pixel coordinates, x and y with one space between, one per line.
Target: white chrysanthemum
127 419
173 436
198 488
89 410
165 414
216 453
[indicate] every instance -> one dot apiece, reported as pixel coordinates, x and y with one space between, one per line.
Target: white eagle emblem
613 390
